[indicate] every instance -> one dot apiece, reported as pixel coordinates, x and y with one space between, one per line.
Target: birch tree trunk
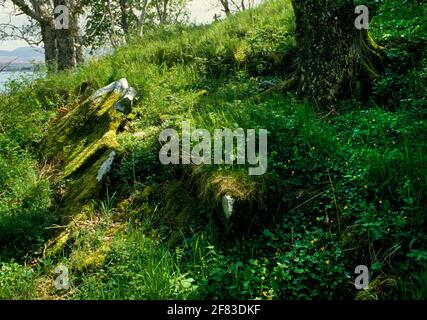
141 19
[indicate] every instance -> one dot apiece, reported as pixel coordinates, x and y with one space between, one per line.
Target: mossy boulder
235 194
82 144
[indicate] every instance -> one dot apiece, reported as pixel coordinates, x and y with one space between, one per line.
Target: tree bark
165 12
335 58
124 15
162 10
226 7
141 19
67 40
77 34
63 47
49 41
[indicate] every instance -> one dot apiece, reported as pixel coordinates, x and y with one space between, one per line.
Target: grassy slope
346 190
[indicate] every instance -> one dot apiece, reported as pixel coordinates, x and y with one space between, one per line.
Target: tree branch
23 6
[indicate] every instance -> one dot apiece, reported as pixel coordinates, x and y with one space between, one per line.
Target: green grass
16 282
136 268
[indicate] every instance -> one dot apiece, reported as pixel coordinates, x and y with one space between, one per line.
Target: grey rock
106 166
125 103
228 206
126 94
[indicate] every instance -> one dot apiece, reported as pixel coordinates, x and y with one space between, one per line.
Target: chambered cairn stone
82 144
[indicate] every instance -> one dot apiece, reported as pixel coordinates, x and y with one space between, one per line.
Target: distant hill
22 56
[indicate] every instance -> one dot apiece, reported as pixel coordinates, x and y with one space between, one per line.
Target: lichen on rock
81 143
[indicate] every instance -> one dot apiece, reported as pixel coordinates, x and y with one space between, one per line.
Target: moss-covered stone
80 142
67 236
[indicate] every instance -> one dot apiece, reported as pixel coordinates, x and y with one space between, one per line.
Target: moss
372 56
83 187
77 230
178 210
58 244
78 144
93 247
79 135
71 232
215 184
83 260
106 142
378 289
124 205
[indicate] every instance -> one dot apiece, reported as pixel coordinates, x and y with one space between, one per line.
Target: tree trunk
124 16
335 58
49 41
66 49
78 41
226 7
141 19
63 47
162 10
165 12
114 39
65 40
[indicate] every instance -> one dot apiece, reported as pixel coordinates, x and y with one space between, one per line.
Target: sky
201 11
5 17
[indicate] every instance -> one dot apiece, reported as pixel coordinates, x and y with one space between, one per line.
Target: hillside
340 189
23 54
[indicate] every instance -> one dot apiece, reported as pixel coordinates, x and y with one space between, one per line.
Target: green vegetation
341 190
